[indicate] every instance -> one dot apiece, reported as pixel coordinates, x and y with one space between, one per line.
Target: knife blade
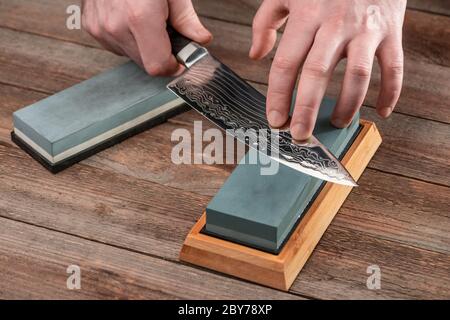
220 95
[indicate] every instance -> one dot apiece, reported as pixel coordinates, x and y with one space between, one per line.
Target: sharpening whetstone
260 211
89 117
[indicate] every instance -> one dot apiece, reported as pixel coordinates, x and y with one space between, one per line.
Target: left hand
318 34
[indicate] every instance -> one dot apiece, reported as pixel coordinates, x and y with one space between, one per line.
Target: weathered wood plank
426 36
398 232
34 262
399 209
49 65
407 150
12 99
426 42
47 17
242 11
23 67
412 147
435 6
107 206
337 269
128 212
132 158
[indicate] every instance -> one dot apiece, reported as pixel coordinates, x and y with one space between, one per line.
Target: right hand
137 29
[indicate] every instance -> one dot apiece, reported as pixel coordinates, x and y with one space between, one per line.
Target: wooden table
122 215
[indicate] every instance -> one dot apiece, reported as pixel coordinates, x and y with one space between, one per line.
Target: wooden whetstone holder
279 271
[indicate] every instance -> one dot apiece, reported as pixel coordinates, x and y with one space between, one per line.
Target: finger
390 58
360 55
325 53
185 20
124 40
129 46
283 74
148 26
111 45
92 24
269 18
117 32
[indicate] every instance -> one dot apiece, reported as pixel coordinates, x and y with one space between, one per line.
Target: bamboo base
279 271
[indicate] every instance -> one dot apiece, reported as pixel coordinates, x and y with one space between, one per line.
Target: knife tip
351 182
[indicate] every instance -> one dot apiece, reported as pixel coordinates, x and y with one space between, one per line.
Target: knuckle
136 14
361 70
306 109
395 68
157 68
277 91
154 69
112 28
337 24
284 64
95 31
258 23
185 18
316 68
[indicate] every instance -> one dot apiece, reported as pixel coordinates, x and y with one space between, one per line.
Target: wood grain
384 205
40 258
131 158
98 204
426 43
126 212
47 65
406 272
280 271
132 199
407 150
12 99
434 6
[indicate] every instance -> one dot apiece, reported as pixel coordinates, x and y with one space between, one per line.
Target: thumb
269 18
185 20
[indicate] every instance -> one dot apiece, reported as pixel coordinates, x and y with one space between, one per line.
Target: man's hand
137 29
318 35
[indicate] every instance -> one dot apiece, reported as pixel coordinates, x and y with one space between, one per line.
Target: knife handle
177 40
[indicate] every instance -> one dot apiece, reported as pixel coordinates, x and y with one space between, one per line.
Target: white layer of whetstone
101 138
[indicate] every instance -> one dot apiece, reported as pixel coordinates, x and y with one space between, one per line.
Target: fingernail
252 52
204 34
385 112
179 71
276 119
339 123
299 132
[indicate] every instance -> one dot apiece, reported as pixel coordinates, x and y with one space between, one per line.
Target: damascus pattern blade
224 98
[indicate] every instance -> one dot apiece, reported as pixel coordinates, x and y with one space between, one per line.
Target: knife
220 95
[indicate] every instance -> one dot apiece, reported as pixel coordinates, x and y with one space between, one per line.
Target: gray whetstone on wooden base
261 210
94 112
